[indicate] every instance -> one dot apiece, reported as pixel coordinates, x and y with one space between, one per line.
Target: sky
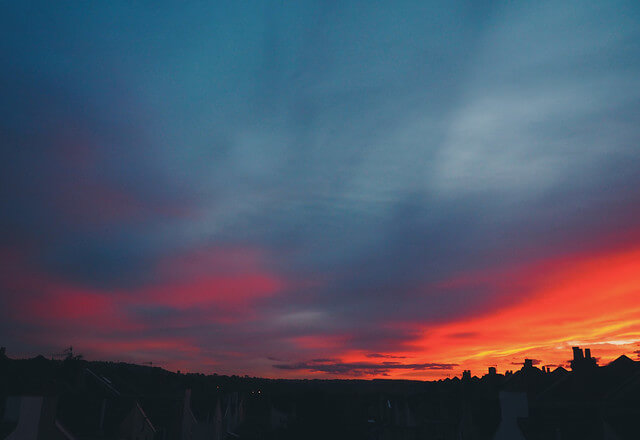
321 189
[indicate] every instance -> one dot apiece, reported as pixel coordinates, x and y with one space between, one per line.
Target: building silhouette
70 399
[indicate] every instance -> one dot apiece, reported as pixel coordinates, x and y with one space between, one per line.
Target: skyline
321 189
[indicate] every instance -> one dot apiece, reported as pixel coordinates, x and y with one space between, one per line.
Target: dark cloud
386 356
359 368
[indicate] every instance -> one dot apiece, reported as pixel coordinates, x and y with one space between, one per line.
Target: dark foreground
44 399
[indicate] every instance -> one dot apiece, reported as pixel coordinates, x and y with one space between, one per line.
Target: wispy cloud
360 368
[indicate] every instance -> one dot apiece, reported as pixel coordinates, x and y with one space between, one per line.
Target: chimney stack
577 354
582 361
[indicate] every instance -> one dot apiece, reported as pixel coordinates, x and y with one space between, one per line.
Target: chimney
577 354
466 375
581 361
492 371
528 363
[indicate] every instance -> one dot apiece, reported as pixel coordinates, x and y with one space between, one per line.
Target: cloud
385 356
379 176
333 366
47 310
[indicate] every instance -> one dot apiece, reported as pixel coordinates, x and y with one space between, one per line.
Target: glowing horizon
587 300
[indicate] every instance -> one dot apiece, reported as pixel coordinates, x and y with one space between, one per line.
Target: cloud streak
359 368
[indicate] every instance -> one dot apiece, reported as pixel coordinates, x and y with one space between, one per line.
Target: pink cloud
55 312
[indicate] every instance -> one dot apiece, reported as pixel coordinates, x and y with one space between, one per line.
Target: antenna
67 353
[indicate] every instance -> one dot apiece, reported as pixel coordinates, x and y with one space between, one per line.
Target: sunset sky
321 189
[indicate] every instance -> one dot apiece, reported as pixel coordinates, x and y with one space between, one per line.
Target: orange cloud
538 312
590 300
